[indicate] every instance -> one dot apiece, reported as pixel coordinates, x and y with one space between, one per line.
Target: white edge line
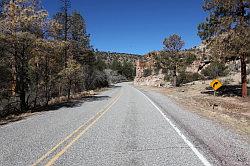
195 150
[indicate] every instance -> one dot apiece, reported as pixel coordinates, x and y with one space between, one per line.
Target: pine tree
72 74
226 31
21 25
80 38
63 18
128 70
173 44
78 30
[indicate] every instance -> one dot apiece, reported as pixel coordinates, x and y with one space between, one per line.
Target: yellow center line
98 115
58 155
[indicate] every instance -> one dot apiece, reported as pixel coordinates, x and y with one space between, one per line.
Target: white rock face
153 80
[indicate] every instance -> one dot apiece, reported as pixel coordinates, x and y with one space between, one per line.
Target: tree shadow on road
53 107
74 103
115 86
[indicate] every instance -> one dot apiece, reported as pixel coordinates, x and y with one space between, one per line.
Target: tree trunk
36 96
13 85
175 77
69 89
175 81
65 57
47 96
243 57
37 87
22 76
23 101
243 76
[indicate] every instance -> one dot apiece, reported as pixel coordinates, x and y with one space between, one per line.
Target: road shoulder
231 112
221 142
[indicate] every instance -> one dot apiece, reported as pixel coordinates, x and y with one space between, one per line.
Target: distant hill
109 57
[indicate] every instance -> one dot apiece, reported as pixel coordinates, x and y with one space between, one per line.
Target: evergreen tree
116 66
63 18
21 25
226 31
43 58
128 70
72 74
78 30
80 38
172 57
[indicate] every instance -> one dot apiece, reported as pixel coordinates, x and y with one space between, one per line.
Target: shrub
95 79
147 72
227 81
164 70
114 77
128 70
190 59
156 70
167 78
186 77
215 69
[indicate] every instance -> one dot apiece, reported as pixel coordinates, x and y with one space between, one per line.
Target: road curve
122 126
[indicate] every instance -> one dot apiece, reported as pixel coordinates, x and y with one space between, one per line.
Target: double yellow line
73 137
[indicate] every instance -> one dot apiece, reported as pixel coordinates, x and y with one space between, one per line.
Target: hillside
109 57
195 65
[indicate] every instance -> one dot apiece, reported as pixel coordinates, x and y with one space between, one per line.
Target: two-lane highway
123 126
133 132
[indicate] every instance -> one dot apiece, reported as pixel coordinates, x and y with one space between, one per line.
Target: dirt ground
227 107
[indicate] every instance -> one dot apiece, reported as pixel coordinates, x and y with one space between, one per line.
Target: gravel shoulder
231 111
220 141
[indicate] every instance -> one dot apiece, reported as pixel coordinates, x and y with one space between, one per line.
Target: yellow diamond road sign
216 84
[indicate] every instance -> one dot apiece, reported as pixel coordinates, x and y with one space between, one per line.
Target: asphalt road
121 126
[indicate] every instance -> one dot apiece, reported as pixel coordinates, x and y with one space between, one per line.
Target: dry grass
14 118
63 99
231 111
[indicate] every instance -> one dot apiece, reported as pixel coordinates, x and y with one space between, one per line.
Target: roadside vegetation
45 58
185 74
226 40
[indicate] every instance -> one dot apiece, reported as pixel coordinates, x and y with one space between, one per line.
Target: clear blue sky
137 26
